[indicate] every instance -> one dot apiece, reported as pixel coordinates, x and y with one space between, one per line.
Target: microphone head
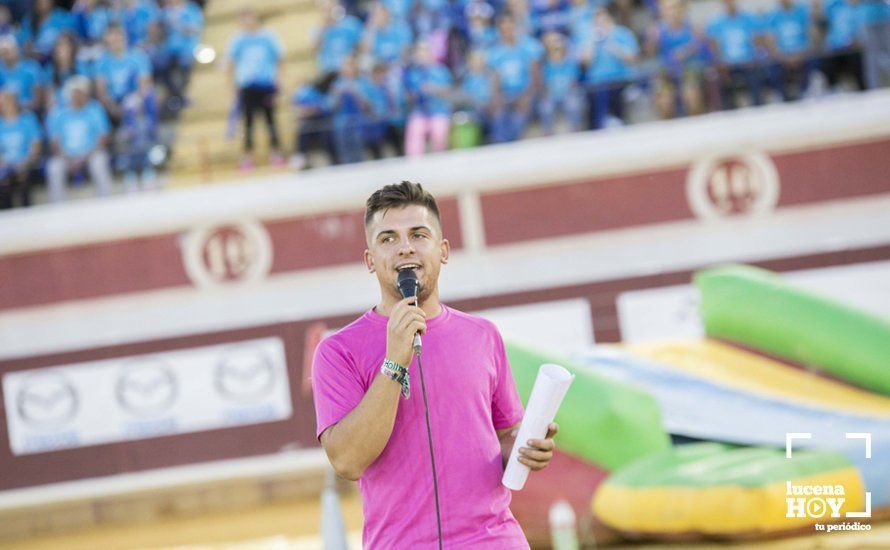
408 283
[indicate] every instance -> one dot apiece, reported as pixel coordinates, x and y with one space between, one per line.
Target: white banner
672 312
144 396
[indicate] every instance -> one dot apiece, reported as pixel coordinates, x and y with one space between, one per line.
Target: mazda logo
244 374
146 387
46 400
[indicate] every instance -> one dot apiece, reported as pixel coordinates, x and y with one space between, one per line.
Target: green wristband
397 373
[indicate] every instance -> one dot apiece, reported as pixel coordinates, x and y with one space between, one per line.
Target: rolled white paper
550 387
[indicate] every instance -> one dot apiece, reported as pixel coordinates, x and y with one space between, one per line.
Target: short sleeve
713 30
52 123
277 48
33 127
336 386
232 51
631 41
506 408
143 64
103 125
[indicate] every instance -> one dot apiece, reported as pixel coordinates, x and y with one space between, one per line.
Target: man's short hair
399 195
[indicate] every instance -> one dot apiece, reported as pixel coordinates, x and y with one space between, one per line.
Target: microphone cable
408 285
429 434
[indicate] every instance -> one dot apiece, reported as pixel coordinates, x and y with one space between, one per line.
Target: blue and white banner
144 396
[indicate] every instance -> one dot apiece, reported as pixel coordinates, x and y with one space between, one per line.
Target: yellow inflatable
712 489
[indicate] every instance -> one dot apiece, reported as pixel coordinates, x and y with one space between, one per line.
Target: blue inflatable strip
702 409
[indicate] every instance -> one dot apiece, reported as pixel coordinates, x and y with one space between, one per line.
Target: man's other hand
538 452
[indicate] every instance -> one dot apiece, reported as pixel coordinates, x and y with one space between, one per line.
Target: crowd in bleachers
78 93
425 75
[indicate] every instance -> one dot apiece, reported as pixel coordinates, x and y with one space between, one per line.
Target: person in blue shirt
433 23
338 38
21 76
379 128
610 56
134 139
120 72
477 91
790 42
480 32
387 39
429 97
43 26
155 47
20 139
312 120
845 21
91 21
735 36
683 57
522 16
581 14
349 107
8 28
561 75
516 62
63 65
136 16
78 136
399 9
551 16
255 56
183 25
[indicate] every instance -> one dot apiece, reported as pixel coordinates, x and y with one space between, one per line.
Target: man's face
7 104
249 21
406 236
507 29
8 54
116 42
78 97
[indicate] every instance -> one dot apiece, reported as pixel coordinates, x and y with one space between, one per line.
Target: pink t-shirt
471 394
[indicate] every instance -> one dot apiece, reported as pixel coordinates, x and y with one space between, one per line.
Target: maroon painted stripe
841 172
809 176
90 271
582 207
150 263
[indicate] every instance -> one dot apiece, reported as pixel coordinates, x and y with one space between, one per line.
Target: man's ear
446 250
369 261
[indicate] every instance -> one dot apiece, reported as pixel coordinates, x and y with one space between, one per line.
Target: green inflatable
759 309
602 421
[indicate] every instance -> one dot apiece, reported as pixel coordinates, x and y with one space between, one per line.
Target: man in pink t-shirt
371 417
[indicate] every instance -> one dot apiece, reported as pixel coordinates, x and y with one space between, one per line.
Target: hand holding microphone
406 322
409 286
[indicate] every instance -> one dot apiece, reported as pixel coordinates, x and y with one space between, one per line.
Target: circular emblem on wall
244 374
227 253
146 387
722 186
47 400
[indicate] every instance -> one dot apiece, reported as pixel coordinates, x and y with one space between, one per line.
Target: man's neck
431 306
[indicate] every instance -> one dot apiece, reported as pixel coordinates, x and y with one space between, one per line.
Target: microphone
408 287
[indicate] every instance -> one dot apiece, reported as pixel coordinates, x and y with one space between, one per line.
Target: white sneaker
297 161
